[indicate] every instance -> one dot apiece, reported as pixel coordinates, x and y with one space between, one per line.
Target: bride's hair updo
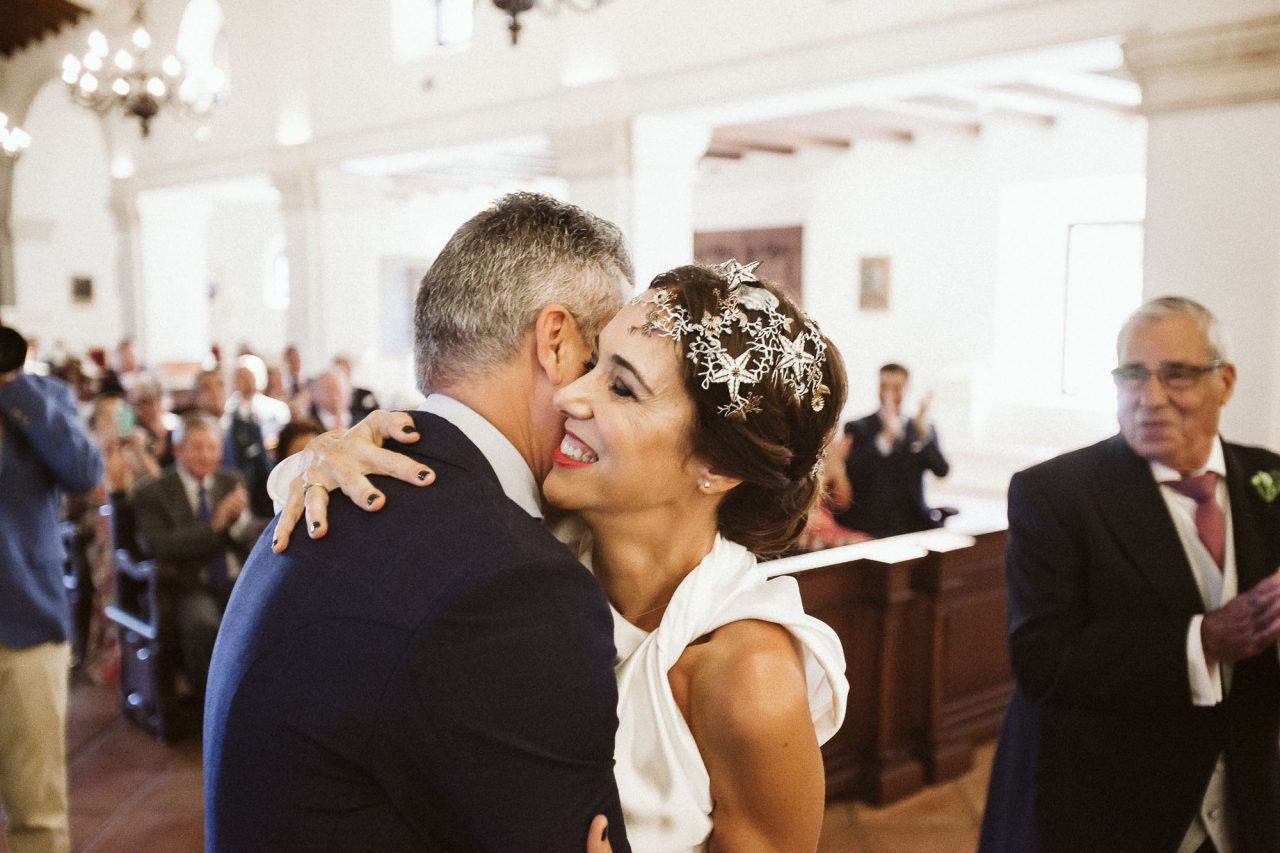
767 390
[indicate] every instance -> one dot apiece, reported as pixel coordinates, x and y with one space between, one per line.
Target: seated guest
362 399
126 371
155 422
193 520
294 382
253 427
329 402
275 384
821 530
886 463
211 395
248 403
295 437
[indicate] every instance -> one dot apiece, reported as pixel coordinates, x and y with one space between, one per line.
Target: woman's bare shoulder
743 679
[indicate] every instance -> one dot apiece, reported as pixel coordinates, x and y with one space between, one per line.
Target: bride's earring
706 485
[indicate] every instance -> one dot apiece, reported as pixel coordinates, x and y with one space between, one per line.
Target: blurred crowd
265 410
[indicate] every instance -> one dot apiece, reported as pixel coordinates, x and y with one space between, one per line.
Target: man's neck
504 398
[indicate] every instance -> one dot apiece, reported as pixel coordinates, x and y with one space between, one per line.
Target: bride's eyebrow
626 365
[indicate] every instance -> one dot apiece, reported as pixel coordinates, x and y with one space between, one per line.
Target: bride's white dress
665 790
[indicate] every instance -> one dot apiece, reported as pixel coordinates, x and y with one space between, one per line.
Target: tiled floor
129 794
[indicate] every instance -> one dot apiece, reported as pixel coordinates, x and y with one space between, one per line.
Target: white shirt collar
514 476
1217 463
192 487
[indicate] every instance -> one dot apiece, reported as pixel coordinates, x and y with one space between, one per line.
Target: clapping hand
921 420
1245 625
232 505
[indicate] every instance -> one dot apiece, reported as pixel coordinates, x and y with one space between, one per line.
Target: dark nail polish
315 525
275 542
604 836
422 475
409 429
369 500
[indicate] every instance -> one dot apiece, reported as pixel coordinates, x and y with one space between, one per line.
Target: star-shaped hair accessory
735 273
770 353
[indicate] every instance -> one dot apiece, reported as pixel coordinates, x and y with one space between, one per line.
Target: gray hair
483 293
195 422
1165 307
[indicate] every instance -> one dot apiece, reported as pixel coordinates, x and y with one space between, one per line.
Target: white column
8 286
1212 96
639 174
129 277
301 215
174 302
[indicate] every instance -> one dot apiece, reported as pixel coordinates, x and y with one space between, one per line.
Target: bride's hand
598 836
343 460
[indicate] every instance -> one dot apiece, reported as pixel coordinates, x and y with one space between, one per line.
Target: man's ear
710 483
561 351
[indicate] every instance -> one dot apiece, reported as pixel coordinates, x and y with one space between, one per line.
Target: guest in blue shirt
43 453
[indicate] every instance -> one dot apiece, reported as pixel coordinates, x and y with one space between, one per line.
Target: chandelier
515 8
13 140
104 80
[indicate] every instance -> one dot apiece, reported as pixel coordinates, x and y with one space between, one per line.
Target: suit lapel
1251 563
1138 517
179 503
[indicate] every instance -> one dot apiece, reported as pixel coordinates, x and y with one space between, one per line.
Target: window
1104 285
420 28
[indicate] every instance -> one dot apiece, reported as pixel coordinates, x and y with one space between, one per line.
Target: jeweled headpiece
771 352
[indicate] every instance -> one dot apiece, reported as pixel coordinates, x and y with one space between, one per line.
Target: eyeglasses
1174 376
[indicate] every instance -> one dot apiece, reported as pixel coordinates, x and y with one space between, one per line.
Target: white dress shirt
1209 682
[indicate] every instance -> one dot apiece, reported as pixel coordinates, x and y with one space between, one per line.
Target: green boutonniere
1267 484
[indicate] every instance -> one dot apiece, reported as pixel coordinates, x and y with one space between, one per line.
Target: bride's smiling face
628 423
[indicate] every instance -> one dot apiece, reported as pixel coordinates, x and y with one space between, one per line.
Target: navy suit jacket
43 453
1102 748
888 491
434 676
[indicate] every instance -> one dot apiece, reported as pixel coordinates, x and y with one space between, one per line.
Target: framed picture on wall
81 289
873 284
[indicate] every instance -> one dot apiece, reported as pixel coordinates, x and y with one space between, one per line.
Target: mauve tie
1211 524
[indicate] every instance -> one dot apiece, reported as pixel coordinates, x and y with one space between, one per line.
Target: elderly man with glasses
1144 611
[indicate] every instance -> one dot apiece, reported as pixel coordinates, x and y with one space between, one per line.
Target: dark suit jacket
1102 748
168 529
435 676
43 453
888 491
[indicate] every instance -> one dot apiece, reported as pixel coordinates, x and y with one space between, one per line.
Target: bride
693 444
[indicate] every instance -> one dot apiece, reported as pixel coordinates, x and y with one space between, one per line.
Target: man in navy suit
43 453
1144 609
886 463
439 677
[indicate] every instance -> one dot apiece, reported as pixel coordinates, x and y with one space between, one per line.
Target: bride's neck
640 559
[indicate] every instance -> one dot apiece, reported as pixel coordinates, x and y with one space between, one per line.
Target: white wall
1214 235
62 228
239 240
978 322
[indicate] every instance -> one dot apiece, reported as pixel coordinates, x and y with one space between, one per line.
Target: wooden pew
921 618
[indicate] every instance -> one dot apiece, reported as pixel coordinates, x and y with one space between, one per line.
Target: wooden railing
922 621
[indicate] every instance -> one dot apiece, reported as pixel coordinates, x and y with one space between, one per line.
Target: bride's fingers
376 460
288 517
598 836
316 500
397 426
